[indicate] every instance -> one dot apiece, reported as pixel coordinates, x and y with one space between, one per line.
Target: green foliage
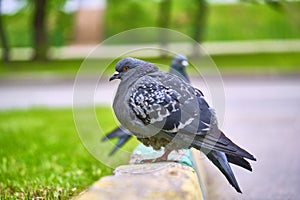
19 26
60 28
42 156
249 21
122 16
241 21
19 29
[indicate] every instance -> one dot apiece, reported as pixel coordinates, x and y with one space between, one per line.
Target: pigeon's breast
125 115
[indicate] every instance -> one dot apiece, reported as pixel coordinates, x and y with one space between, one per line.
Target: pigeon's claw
163 158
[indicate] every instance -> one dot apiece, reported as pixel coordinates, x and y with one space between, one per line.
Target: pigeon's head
132 67
179 62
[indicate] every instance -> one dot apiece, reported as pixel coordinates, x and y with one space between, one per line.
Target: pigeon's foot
163 158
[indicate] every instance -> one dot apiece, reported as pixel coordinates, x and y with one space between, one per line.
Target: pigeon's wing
209 136
156 104
174 106
216 140
166 102
206 114
170 108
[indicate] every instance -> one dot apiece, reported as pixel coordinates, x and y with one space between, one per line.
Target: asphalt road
261 115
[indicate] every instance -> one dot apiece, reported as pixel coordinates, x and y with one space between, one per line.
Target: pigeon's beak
185 63
116 75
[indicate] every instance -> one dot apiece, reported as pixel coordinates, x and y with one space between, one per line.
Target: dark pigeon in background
162 110
178 65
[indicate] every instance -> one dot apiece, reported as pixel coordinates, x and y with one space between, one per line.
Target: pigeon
178 65
163 110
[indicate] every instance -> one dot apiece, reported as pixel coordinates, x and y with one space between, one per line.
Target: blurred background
254 43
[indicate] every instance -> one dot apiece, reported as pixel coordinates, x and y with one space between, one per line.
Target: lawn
41 154
261 63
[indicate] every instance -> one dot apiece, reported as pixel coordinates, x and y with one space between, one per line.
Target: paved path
48 92
262 115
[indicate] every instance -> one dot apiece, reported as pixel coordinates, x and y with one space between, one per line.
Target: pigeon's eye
126 68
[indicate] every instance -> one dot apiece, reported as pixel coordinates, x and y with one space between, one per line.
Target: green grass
261 63
51 67
41 154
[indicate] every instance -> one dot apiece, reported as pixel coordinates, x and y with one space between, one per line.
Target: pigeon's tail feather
219 160
238 150
116 133
122 135
239 161
216 140
122 140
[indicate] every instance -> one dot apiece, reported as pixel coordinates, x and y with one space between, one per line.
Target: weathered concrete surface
161 181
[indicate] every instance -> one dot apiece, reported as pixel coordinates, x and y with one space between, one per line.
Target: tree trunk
199 24
3 38
164 17
39 27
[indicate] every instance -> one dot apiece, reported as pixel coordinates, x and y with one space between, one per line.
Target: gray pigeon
178 65
163 110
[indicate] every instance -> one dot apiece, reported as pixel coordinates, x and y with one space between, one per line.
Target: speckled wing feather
177 105
154 103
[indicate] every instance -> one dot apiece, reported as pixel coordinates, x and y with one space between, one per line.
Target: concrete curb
165 181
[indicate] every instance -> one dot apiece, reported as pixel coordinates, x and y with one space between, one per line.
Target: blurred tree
3 38
40 42
164 16
199 24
